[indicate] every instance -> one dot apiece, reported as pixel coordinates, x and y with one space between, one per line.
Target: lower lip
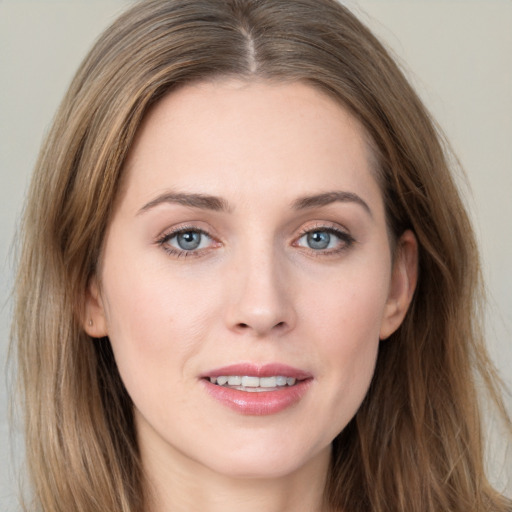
258 403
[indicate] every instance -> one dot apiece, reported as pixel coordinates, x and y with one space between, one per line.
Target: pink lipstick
257 389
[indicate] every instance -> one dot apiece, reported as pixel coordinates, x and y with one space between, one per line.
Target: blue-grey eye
318 240
325 239
186 241
189 240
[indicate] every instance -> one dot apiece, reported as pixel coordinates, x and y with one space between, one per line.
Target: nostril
245 326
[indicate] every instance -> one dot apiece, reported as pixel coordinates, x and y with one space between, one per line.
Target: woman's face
248 242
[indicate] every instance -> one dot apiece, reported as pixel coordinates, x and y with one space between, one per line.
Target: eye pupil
189 240
318 239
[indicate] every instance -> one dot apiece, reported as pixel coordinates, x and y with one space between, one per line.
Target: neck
176 483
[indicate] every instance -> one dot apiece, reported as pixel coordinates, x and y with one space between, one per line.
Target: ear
94 321
403 283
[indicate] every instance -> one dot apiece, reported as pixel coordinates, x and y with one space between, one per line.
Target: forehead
229 135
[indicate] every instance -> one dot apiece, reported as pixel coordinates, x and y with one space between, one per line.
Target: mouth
252 389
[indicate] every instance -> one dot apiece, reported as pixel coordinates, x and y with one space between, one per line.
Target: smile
257 390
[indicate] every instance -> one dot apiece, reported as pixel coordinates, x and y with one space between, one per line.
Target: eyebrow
202 201
326 198
218 204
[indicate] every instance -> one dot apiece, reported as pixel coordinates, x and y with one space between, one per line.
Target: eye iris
189 240
319 240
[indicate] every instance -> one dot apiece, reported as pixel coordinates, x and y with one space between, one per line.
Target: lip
258 403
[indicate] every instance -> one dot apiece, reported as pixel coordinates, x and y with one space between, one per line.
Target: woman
247 277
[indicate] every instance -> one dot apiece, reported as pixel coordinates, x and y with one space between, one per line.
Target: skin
254 291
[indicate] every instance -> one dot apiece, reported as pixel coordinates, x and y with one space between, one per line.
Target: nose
260 302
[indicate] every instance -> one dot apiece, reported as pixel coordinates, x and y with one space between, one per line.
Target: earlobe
403 283
94 322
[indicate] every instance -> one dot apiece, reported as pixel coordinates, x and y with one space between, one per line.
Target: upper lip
258 370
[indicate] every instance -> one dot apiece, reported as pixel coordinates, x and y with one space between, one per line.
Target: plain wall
457 53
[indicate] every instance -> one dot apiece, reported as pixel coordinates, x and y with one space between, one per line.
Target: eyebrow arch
326 198
202 201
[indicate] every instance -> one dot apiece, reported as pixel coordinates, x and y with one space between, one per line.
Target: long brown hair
415 444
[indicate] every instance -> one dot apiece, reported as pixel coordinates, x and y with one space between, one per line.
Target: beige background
459 56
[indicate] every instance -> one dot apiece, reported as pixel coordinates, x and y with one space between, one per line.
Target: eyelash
173 251
345 238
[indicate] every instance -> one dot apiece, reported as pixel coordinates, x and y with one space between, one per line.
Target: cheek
345 320
350 307
155 321
155 334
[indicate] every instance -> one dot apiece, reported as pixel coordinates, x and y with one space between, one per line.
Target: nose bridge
260 299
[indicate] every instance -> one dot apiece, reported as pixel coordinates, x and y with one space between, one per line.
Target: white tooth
267 382
222 380
290 381
281 381
234 380
250 382
213 380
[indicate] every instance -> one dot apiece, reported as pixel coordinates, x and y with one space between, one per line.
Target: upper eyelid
183 228
341 233
326 225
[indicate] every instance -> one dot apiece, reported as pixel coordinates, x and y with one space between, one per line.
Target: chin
267 462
